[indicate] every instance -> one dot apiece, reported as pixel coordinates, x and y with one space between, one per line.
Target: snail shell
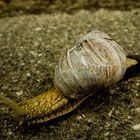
95 62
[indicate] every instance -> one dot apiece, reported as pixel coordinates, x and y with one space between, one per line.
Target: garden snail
95 62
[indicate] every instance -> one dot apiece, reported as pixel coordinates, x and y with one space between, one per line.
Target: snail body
95 62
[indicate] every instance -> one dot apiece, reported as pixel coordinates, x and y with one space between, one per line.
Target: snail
95 62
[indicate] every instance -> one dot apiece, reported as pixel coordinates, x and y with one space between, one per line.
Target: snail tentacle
18 110
131 62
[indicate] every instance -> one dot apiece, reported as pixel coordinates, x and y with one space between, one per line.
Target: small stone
129 117
106 134
137 109
28 74
137 84
136 127
111 111
38 29
33 53
19 93
79 117
10 133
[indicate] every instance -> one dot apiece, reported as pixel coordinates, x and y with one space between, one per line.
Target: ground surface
30 47
14 7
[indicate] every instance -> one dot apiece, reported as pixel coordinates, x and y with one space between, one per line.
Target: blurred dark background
13 7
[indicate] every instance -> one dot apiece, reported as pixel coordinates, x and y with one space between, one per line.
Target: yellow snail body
95 62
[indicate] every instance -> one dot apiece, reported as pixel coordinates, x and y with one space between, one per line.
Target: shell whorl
95 62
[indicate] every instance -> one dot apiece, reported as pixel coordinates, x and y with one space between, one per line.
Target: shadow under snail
95 62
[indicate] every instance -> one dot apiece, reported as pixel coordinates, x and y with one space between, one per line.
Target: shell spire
96 61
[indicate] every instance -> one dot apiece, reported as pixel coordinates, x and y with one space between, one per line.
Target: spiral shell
94 63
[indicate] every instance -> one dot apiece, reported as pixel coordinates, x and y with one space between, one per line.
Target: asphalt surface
30 47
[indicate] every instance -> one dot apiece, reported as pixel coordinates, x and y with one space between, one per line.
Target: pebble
137 109
19 93
136 127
